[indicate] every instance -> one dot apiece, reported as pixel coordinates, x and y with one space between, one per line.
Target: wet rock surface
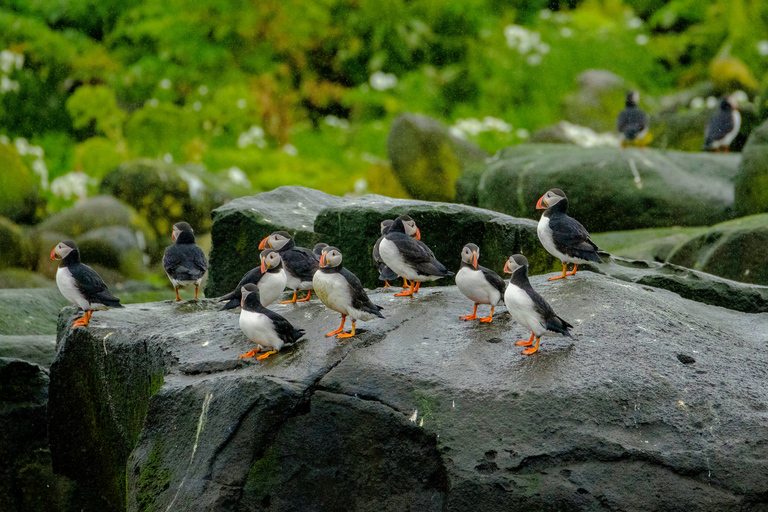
752 180
420 410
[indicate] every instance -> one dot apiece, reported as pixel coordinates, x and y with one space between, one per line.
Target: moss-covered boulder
116 248
34 348
19 187
30 311
426 159
610 189
684 130
654 244
21 278
752 180
16 249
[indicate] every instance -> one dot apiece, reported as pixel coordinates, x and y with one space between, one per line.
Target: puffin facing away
269 278
341 290
632 122
723 127
481 285
562 236
184 262
300 264
409 257
80 284
528 308
262 326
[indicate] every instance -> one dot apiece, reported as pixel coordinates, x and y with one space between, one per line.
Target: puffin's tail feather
232 304
557 324
108 299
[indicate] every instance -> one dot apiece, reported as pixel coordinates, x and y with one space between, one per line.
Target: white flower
238 177
697 103
641 39
543 48
36 151
534 59
382 81
457 132
74 183
361 186
545 14
41 170
153 102
195 184
523 40
290 149
7 61
7 85
712 102
470 126
561 17
740 96
168 158
336 122
165 83
22 146
202 90
566 32
4 140
19 61
496 124
254 136
762 48
634 23
207 125
522 133
241 103
197 106
586 137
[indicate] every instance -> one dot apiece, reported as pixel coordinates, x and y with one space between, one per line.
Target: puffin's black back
569 235
552 322
719 125
88 282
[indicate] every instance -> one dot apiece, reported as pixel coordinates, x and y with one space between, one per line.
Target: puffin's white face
60 251
410 227
549 199
636 97
470 256
331 257
514 262
276 241
270 260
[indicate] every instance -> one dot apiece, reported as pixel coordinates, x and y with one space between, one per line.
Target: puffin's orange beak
263 266
173 236
541 205
54 254
263 244
322 261
418 234
506 267
474 259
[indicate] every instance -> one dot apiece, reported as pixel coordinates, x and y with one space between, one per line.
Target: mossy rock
655 244
684 130
19 187
116 248
611 189
16 249
30 311
426 159
21 278
37 348
751 191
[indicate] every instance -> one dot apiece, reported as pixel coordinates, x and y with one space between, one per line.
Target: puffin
479 284
300 263
318 249
528 308
562 236
632 122
269 278
80 284
341 291
184 261
403 252
262 326
385 273
723 127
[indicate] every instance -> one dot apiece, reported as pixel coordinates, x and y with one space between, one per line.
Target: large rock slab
30 311
420 409
752 180
610 189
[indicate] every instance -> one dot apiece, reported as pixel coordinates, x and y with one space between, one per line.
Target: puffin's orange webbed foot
266 354
530 351
489 318
386 284
523 343
347 334
293 300
565 268
472 316
305 299
575 266
249 354
408 293
176 289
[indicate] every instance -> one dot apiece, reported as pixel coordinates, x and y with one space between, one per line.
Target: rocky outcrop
420 410
752 180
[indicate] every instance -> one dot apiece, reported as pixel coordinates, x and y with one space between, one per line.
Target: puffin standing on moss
342 291
529 308
723 127
262 326
184 262
269 278
410 258
632 122
300 263
80 284
479 284
562 236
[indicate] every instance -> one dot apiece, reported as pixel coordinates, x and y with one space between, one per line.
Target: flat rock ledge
658 403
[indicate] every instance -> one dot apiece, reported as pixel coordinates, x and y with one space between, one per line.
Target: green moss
263 475
18 186
153 480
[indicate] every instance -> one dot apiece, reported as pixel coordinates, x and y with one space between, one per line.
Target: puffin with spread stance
269 278
632 122
528 308
300 263
262 326
409 257
481 285
562 236
723 127
184 262
80 284
341 291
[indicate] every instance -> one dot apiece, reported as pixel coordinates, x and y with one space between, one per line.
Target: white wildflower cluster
588 138
165 83
712 102
241 103
9 61
697 103
72 184
195 184
641 39
526 42
740 96
473 127
762 48
238 177
290 149
336 122
24 148
253 137
382 81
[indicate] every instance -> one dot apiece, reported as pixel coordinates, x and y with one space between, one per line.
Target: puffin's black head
405 224
331 258
727 104
318 248
270 259
183 233
66 251
276 240
515 263
551 198
385 225
250 298
632 98
469 255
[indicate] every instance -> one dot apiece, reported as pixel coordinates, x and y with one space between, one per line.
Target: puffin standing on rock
385 273
184 262
481 285
80 284
528 308
300 263
409 257
342 291
562 236
269 278
632 122
262 326
723 127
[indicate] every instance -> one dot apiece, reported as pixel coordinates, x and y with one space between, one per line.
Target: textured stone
752 180
38 349
30 311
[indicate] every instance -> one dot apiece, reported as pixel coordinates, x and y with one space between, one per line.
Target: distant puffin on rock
264 327
723 127
632 122
184 262
479 284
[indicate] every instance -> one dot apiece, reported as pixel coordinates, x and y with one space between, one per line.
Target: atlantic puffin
480 285
318 249
723 126
341 291
409 257
184 261
269 278
562 236
262 326
385 273
632 122
80 284
528 308
300 263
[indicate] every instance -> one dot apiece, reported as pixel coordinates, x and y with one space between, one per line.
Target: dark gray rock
752 180
30 311
420 410
38 349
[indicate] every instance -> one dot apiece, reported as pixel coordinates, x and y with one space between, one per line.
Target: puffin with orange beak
385 273
300 263
723 127
480 285
562 236
269 278
267 329
528 308
342 291
184 262
80 284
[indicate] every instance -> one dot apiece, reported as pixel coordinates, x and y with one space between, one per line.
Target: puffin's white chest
476 287
68 288
294 283
333 290
546 239
521 307
270 286
726 141
260 329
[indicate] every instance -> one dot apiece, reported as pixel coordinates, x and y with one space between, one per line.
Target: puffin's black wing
287 332
572 238
185 262
418 255
360 299
301 262
89 283
631 122
493 278
253 276
376 255
386 273
718 127
550 320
